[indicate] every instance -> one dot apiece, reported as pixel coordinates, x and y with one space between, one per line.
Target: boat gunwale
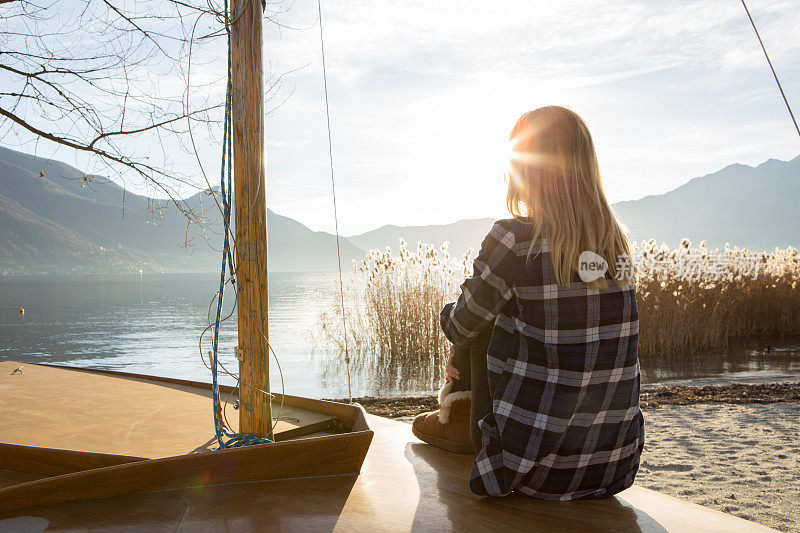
56 461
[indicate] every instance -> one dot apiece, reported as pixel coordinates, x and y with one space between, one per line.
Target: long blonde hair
554 184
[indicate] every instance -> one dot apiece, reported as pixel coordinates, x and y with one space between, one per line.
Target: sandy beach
734 448
741 459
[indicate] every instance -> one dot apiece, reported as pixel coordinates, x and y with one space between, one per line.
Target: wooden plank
9 478
251 217
404 485
303 429
322 456
52 462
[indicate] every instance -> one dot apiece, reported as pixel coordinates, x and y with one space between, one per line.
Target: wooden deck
403 485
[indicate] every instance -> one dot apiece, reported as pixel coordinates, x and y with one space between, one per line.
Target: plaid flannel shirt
563 374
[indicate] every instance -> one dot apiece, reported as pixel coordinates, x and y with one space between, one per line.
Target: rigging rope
333 190
774 74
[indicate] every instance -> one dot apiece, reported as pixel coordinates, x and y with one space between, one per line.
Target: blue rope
225 437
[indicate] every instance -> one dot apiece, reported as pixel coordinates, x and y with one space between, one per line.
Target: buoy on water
22 310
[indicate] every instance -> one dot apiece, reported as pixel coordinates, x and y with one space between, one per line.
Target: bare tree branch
128 84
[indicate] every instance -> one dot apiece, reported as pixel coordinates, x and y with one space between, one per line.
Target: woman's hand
450 369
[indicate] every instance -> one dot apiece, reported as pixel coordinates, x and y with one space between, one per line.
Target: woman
547 336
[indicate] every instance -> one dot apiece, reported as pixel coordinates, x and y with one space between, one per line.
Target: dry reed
694 300
691 301
392 312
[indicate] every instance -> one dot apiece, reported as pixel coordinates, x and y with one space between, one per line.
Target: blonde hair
554 184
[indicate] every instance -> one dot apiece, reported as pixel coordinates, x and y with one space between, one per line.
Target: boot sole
450 446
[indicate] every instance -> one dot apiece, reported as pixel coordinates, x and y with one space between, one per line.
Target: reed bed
691 300
695 300
392 306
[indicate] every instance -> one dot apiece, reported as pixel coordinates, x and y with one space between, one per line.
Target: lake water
153 325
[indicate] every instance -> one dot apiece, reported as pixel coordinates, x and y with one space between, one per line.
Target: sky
423 94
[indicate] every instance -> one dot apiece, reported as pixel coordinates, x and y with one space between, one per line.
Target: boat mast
255 410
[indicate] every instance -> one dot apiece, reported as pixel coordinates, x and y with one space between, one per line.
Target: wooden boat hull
320 456
322 439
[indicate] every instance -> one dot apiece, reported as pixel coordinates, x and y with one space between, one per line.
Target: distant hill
754 207
461 235
53 223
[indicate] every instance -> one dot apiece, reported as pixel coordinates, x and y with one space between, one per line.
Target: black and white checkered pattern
563 373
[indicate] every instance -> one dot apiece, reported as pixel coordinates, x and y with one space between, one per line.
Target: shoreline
651 397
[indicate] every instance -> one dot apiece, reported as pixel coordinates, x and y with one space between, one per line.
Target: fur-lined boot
448 427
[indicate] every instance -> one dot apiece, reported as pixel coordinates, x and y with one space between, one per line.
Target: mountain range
752 207
52 219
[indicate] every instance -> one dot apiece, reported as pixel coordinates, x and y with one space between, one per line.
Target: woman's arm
484 294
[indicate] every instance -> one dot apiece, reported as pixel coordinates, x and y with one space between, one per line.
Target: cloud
423 94
671 90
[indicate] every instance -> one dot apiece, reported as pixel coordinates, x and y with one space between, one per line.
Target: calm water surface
153 327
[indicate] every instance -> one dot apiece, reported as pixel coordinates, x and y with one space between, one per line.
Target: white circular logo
591 266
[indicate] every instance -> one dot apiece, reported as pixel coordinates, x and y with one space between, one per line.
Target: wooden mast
255 412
